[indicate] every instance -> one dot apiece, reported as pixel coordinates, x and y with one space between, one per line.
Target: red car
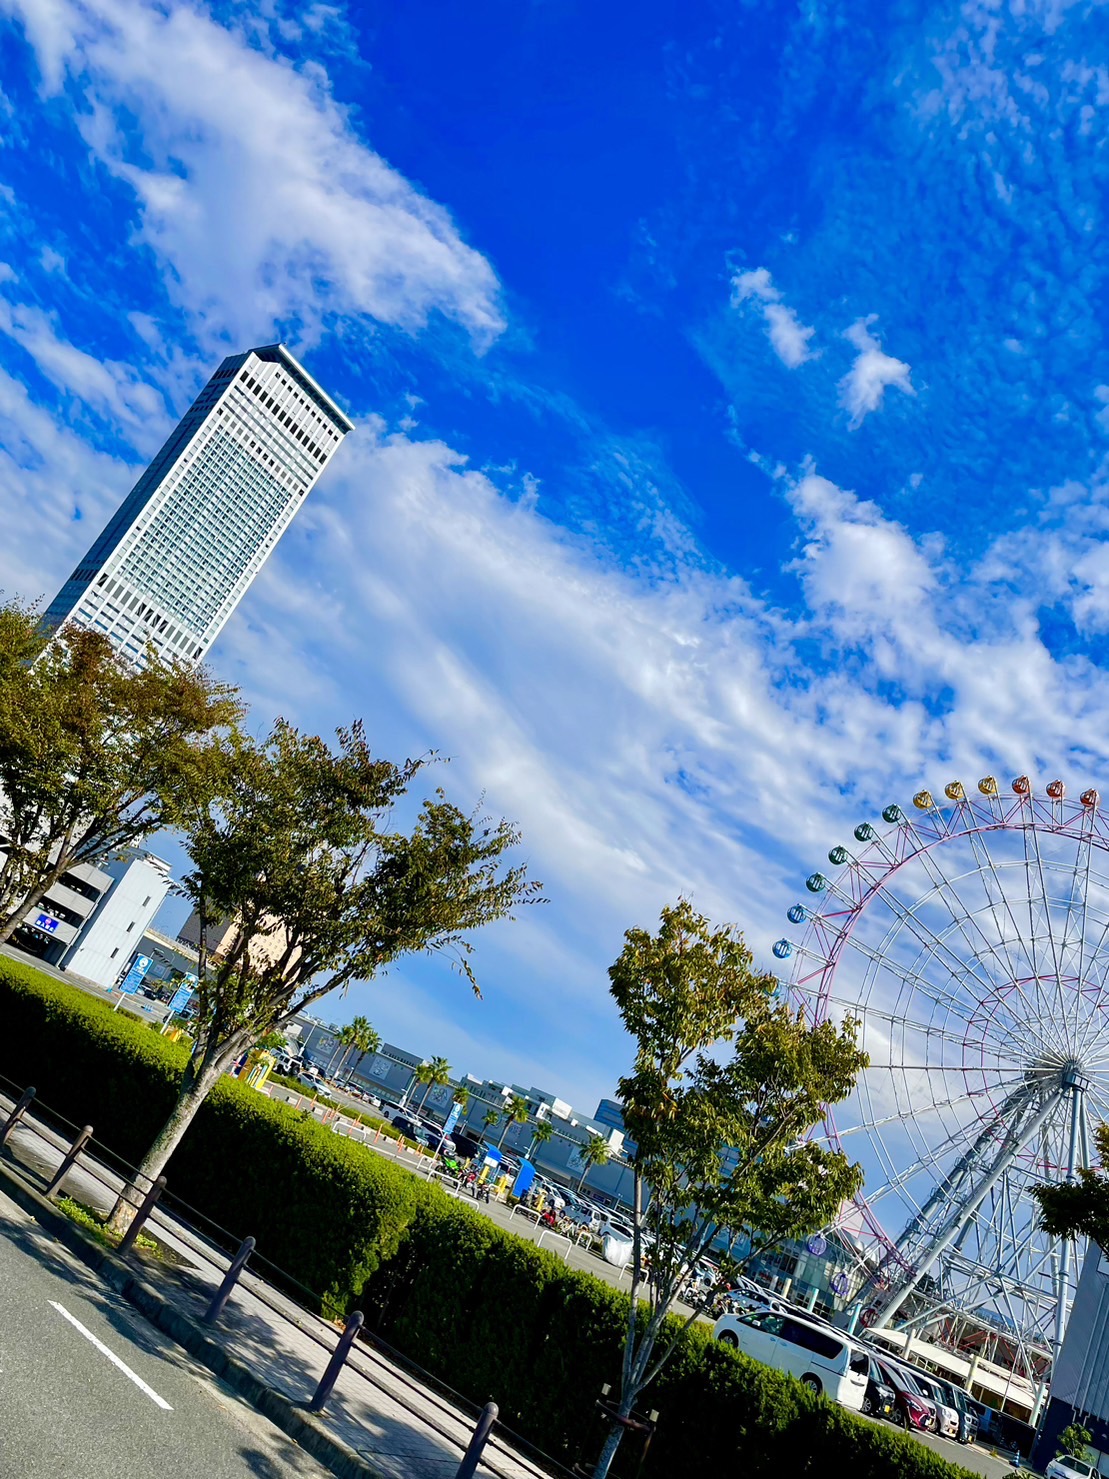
914 1409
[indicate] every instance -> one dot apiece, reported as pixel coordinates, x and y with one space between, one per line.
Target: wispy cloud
864 385
788 336
253 186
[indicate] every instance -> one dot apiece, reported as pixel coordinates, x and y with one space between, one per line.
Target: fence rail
367 1354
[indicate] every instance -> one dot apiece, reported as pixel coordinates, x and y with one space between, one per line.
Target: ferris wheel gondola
969 936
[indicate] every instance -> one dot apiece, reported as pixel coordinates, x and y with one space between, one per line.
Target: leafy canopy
725 1086
1080 1208
95 754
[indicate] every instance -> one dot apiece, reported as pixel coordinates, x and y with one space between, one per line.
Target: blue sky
733 400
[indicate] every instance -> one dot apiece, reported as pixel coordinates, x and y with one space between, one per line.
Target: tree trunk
195 1088
13 918
612 1442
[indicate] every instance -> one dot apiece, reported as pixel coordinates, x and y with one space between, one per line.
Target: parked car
947 1414
411 1129
880 1399
823 1360
914 1408
962 1403
1069 1468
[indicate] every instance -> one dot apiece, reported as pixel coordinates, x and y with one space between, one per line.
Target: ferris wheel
969 936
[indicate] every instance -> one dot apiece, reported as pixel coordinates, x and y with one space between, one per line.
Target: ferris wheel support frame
1054 1097
958 1223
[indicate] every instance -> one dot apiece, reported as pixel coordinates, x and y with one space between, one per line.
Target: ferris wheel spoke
1031 835
960 913
934 1108
972 943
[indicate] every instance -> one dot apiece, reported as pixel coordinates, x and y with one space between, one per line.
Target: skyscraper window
178 555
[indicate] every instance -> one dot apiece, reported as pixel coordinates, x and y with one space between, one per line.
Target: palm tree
462 1098
434 1072
490 1118
357 1036
542 1133
595 1153
516 1112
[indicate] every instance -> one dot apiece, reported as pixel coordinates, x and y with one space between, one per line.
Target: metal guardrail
371 1357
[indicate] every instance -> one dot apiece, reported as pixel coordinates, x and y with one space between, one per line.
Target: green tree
434 1073
516 1112
490 1118
1074 1442
461 1097
272 1042
1079 1208
357 1037
726 1084
594 1153
95 754
540 1135
302 853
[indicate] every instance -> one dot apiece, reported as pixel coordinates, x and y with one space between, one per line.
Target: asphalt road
89 1391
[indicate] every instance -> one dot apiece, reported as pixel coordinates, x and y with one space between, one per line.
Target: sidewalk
380 1423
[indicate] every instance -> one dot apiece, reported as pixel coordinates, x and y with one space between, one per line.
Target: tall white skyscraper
178 555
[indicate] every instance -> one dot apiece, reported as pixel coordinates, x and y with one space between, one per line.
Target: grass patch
92 1222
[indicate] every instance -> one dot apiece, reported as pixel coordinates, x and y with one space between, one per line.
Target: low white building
124 912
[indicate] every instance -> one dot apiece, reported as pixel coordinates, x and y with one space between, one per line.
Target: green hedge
484 1310
320 1206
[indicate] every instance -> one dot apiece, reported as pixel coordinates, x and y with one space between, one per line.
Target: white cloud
114 391
788 336
254 188
651 737
864 385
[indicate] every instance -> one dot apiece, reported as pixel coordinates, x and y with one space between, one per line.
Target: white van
823 1359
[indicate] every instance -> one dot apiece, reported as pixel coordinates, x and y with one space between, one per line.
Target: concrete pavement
380 1422
90 1391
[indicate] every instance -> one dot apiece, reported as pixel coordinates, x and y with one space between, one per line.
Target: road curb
284 1413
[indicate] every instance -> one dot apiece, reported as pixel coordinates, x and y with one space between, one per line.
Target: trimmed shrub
485 1311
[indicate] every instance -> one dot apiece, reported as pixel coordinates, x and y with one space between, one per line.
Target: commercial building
53 925
180 552
111 935
1080 1378
91 921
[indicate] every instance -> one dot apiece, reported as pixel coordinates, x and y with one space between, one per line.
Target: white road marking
112 1357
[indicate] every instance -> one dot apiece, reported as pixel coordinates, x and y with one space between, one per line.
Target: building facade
52 926
1080 1379
112 934
179 553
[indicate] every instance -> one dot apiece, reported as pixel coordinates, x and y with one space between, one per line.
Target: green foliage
85 1217
322 1207
94 754
482 1309
720 1140
1079 1209
1073 1442
432 1073
515 1113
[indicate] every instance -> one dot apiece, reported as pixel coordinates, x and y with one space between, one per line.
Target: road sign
181 997
134 977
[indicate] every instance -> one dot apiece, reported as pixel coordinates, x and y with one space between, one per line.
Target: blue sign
181 997
47 922
452 1118
134 977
